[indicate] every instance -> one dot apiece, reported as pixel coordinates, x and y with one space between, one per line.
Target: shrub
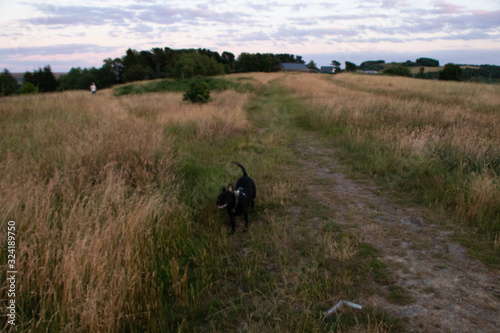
28 88
398 70
198 91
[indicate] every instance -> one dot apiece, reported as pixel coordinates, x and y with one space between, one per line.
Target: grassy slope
437 141
141 173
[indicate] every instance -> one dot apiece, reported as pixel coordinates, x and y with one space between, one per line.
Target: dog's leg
246 220
232 219
254 192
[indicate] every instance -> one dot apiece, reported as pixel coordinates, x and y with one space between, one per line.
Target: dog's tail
242 168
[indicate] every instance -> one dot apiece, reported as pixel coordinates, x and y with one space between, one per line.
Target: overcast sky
76 33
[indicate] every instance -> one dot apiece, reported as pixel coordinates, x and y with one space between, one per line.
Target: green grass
278 276
181 85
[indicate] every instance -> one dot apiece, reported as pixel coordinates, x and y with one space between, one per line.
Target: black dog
238 201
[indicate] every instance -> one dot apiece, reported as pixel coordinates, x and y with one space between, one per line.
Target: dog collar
237 195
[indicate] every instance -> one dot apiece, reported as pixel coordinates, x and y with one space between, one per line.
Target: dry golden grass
343 250
220 117
457 121
89 182
103 219
409 122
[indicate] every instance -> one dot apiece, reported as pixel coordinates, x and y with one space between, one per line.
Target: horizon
324 57
83 34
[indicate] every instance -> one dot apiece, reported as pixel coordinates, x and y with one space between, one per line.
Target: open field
365 187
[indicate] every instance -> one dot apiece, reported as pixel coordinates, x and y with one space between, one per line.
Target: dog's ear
223 189
230 188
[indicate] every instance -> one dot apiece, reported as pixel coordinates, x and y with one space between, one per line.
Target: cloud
62 49
443 7
59 57
256 26
253 36
80 15
144 12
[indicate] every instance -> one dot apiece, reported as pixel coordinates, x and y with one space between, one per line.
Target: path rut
449 291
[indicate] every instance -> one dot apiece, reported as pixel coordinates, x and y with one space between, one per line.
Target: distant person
93 88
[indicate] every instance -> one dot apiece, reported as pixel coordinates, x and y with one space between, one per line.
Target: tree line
135 65
165 62
450 72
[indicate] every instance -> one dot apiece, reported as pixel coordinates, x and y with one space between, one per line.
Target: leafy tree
483 73
451 72
161 59
421 73
409 63
211 54
247 63
372 65
289 58
266 62
130 59
146 58
78 78
71 80
111 72
135 73
198 91
194 64
350 67
427 62
8 84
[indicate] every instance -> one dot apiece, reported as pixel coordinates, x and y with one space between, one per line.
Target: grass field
114 199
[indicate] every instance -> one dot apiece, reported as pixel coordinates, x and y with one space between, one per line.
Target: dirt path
444 289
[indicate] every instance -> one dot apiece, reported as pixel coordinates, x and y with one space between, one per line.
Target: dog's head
226 198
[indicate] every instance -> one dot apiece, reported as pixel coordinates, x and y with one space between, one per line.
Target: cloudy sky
76 33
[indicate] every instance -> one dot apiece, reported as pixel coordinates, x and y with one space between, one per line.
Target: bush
398 70
198 92
28 88
451 72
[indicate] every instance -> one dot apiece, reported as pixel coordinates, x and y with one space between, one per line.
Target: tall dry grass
91 184
440 135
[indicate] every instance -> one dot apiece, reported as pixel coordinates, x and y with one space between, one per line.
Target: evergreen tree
43 79
312 66
8 84
133 69
350 67
336 65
